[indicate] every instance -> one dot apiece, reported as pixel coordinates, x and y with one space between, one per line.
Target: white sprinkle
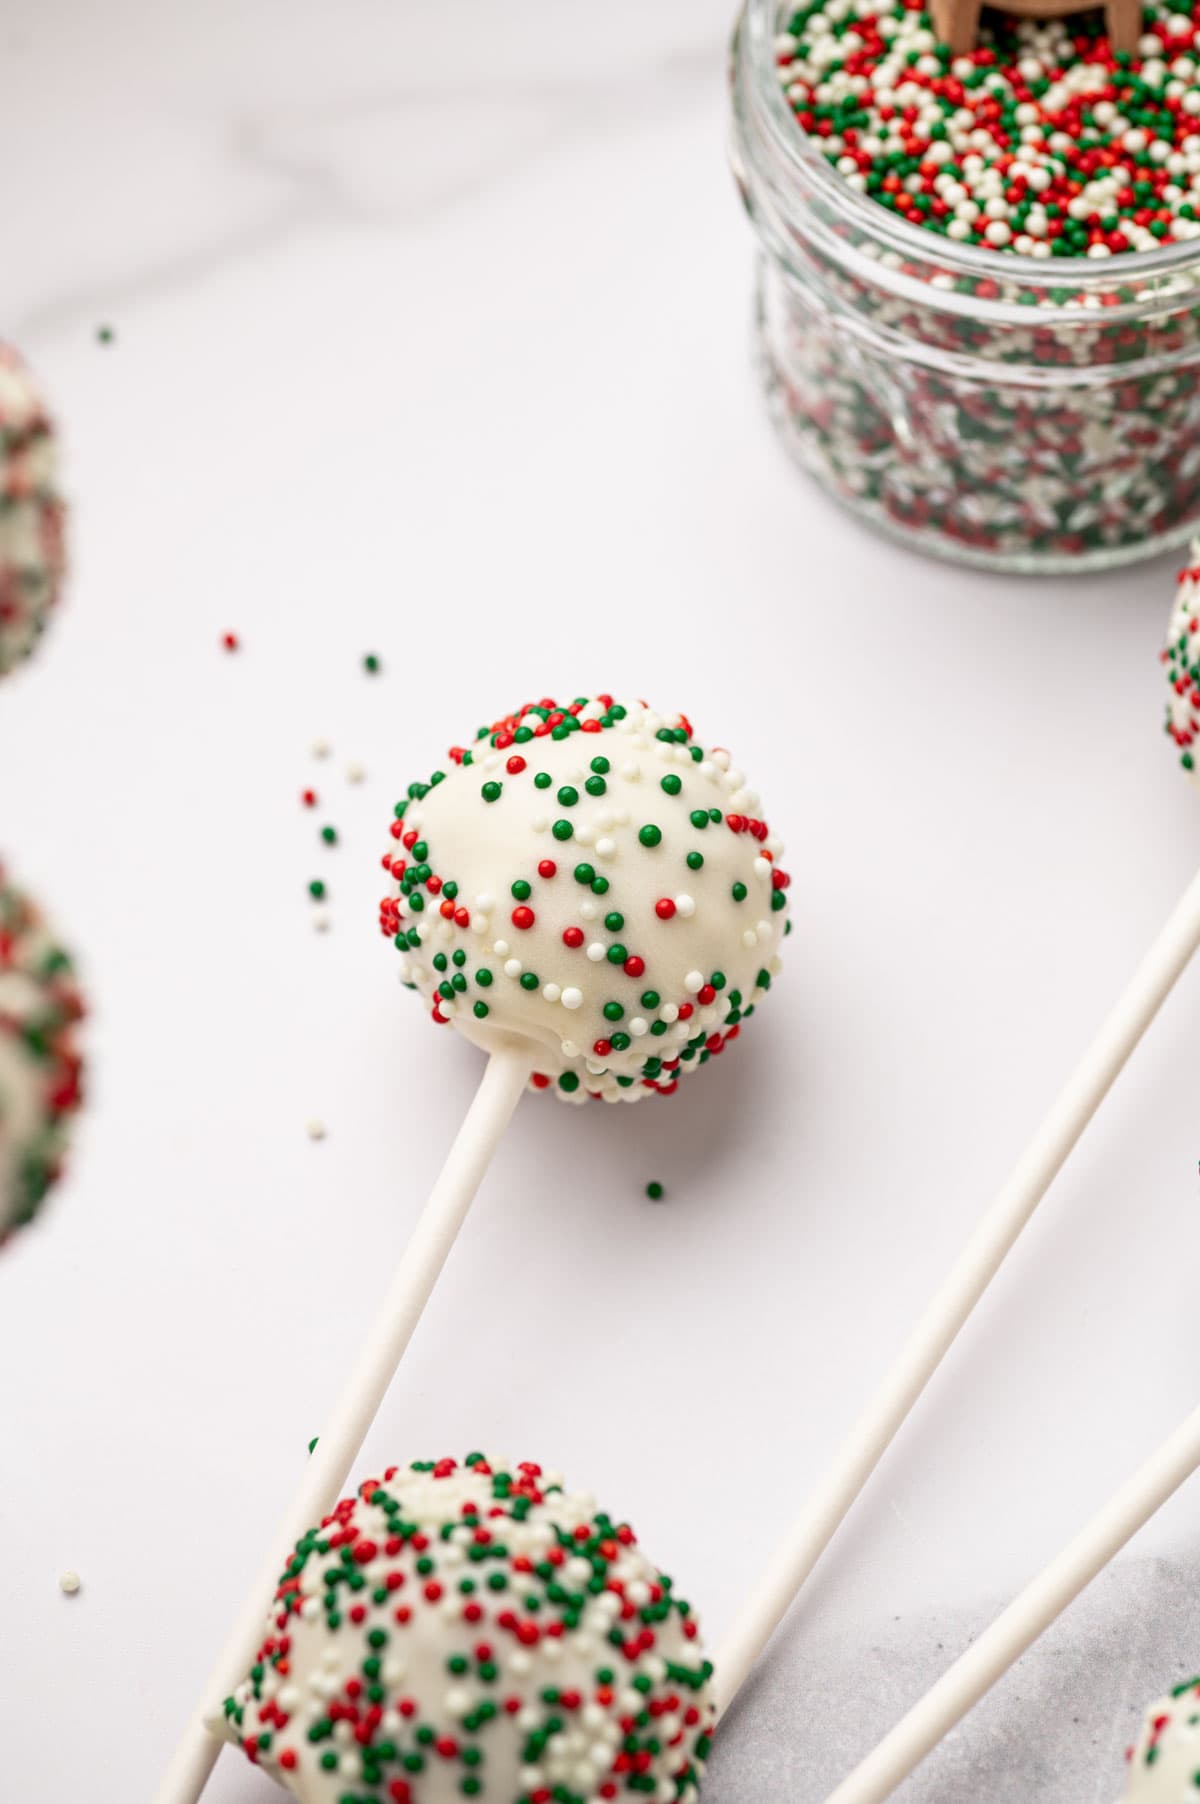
551 992
693 981
70 1583
597 952
316 1130
321 748
685 906
512 967
571 997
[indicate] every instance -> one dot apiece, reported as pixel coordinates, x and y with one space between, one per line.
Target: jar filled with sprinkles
978 306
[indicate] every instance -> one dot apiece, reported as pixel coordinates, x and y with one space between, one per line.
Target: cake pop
1181 657
40 1007
1164 1767
474 1630
596 902
589 880
1009 1213
31 513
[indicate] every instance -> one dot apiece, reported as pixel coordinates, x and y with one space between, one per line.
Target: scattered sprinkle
321 748
69 1582
655 1191
372 664
105 335
355 773
312 1445
309 797
316 890
321 920
329 835
316 1130
230 641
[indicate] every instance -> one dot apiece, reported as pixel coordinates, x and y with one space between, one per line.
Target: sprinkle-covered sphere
475 1630
31 513
40 1008
1164 1767
591 882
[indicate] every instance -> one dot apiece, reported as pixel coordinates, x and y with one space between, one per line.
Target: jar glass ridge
997 409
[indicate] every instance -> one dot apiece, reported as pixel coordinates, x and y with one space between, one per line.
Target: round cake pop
1164 1767
475 1630
31 513
39 1064
589 880
1181 656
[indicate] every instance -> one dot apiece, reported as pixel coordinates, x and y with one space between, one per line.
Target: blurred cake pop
40 1007
31 513
1164 1767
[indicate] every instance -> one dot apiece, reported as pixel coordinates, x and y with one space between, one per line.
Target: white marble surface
431 337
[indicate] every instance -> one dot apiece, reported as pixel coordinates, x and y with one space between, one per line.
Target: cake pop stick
595 901
1018 1627
504 1080
953 1303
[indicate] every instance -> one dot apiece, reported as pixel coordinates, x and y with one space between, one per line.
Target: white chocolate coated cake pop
40 1007
1164 1767
475 1630
588 880
31 513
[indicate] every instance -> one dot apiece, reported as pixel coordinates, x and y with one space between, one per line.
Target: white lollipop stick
952 1305
342 1436
1014 1632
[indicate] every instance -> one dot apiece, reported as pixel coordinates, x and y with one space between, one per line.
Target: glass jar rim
760 22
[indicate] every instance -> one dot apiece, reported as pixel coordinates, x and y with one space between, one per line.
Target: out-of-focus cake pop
1164 1766
31 513
588 880
40 1008
475 1630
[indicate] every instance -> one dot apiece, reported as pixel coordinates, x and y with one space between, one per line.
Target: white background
432 339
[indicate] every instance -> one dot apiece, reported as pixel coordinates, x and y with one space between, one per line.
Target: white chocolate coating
1164 1767
31 514
680 953
443 1636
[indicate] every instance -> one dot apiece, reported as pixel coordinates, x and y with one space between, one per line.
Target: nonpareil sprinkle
1041 141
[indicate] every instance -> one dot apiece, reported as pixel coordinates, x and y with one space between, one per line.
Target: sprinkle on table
317 890
69 1583
329 835
230 641
655 1191
105 335
372 663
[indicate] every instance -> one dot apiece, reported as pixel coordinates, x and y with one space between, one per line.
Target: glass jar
1001 410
